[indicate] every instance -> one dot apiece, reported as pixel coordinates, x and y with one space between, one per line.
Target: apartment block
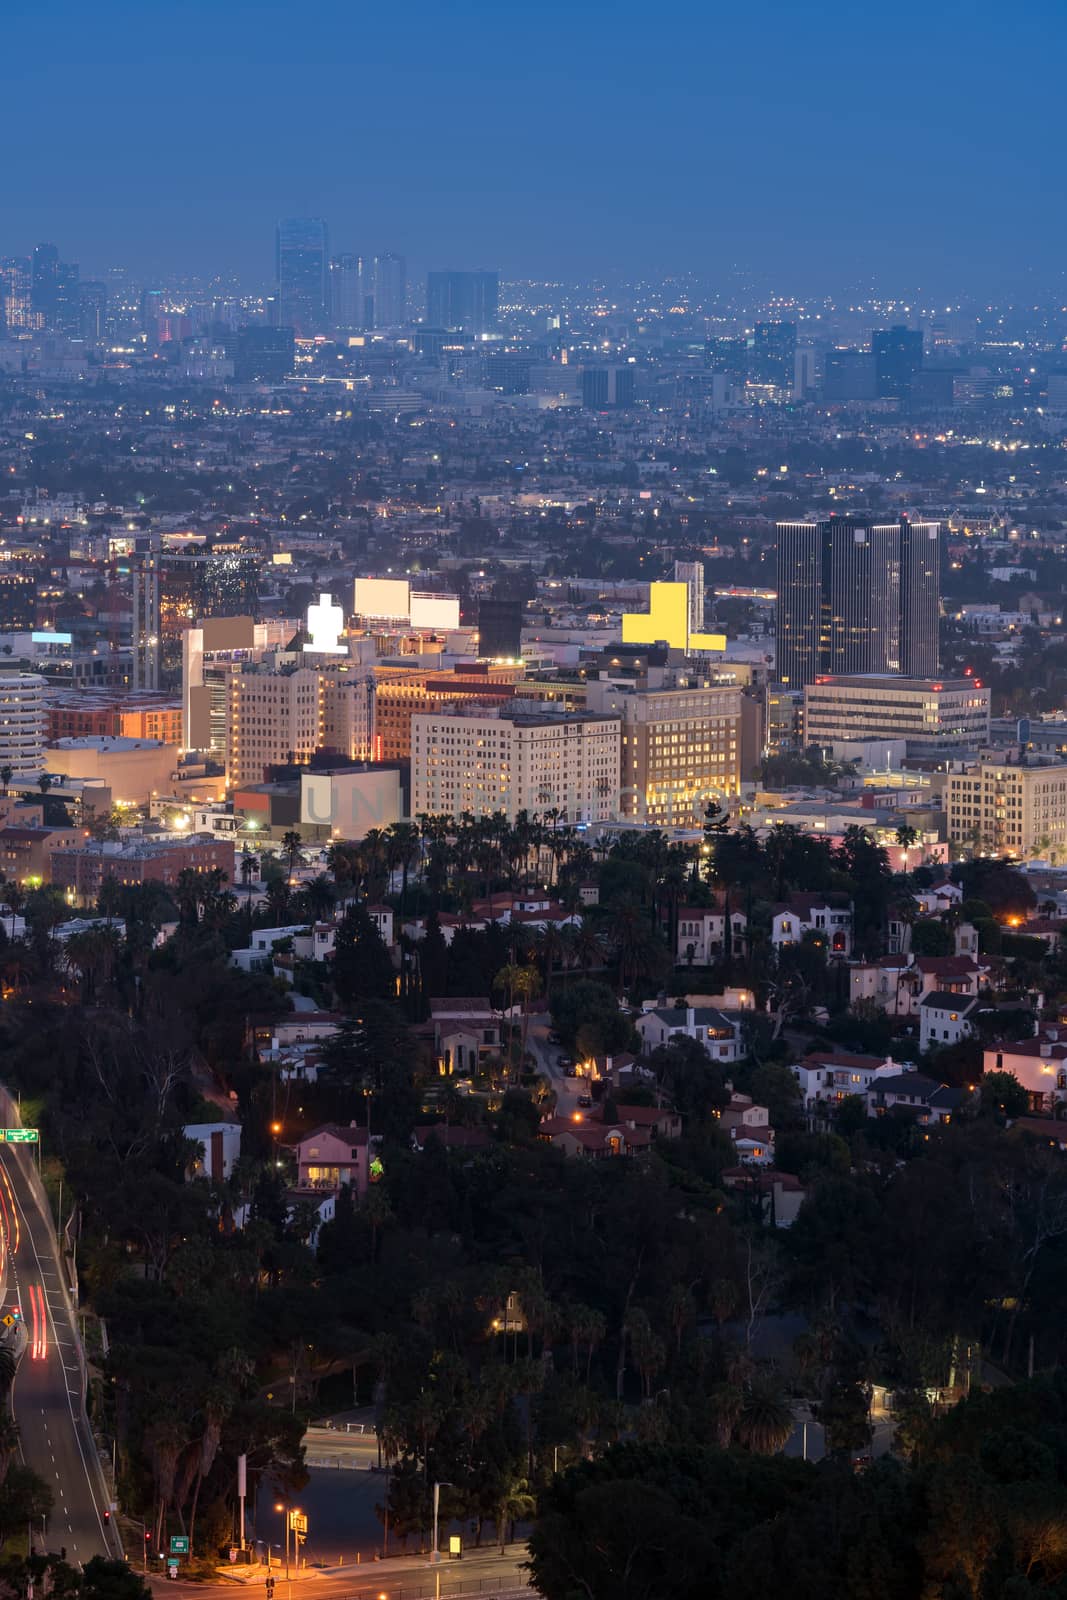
681 748
1008 810
274 717
482 762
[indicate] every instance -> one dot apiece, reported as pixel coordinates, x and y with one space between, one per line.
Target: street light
438 1486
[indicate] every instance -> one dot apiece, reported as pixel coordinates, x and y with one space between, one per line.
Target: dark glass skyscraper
390 290
464 302
54 291
348 292
772 354
898 355
856 596
302 274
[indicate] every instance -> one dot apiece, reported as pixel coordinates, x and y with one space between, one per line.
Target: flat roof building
932 716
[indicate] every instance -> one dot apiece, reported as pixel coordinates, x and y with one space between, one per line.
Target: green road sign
179 1544
20 1135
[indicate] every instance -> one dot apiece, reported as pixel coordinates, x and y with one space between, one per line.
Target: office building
849 375
691 573
390 290
608 388
500 628
463 302
21 570
212 651
22 722
82 870
275 718
509 373
402 693
933 717
681 747
485 762
348 293
772 350
302 275
920 598
92 311
1008 810
728 357
75 714
261 354
54 291
898 355
16 296
856 597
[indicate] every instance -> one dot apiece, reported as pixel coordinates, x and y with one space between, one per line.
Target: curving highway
48 1394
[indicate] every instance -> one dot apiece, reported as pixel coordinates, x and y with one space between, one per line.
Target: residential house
720 1036
383 919
945 1018
827 915
466 1032
333 1156
780 1194
749 1128
218 1147
939 899
702 933
913 1094
881 981
630 1130
1039 1064
826 1077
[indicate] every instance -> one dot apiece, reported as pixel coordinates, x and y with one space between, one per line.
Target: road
547 1057
47 1396
483 1572
333 1447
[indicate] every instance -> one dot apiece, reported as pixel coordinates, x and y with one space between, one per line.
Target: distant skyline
804 149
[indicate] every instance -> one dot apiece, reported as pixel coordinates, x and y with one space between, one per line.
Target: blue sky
807 146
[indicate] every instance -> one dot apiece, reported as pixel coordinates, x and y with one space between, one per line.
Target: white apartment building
1009 810
482 762
22 722
276 716
931 715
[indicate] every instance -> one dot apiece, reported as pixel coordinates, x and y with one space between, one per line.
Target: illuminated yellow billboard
667 620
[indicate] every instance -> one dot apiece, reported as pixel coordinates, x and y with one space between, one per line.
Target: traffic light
107 1516
147 1537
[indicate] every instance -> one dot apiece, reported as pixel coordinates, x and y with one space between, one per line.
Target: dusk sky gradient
810 147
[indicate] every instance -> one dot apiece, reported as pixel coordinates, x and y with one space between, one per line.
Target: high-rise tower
302 274
856 596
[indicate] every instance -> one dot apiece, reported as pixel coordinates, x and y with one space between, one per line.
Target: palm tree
588 1329
588 950
515 1504
321 896
402 850
6 775
248 869
550 949
764 1422
291 843
520 983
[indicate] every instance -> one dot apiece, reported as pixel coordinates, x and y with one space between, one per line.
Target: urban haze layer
533 890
